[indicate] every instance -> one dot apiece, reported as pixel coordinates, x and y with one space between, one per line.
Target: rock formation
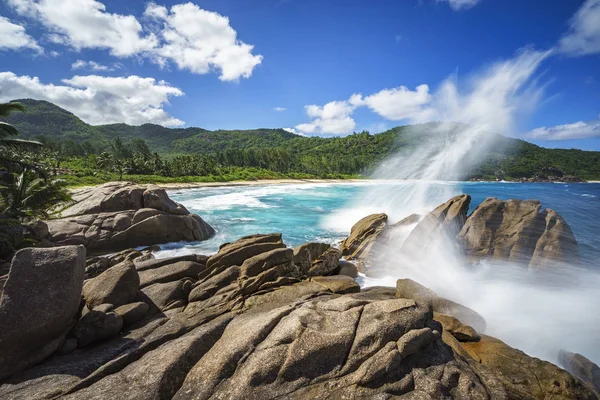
254 321
513 230
120 215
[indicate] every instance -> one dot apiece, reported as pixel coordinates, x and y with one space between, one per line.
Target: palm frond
10 144
7 130
7 108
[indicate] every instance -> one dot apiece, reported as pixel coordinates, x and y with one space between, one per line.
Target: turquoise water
537 311
325 212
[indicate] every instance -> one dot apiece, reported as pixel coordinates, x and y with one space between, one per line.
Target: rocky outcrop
582 368
39 305
516 231
116 216
443 222
363 235
251 324
118 286
526 377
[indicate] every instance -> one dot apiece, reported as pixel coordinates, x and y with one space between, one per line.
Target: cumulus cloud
85 24
583 36
489 99
279 109
200 40
461 4
98 99
294 131
401 103
93 65
577 130
331 119
14 37
193 39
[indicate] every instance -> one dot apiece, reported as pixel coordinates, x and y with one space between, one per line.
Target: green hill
353 154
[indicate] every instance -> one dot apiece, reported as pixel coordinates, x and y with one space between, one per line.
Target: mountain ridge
509 158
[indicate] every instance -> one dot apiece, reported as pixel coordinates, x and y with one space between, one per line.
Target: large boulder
306 253
581 367
39 304
118 285
363 235
526 377
116 216
97 325
409 289
259 329
516 231
443 222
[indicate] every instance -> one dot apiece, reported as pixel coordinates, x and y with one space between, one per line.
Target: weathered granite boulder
117 216
526 377
516 231
132 312
409 289
97 325
254 327
166 296
170 273
118 285
39 305
306 253
582 368
363 235
443 222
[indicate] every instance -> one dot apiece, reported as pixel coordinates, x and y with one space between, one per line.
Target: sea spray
538 311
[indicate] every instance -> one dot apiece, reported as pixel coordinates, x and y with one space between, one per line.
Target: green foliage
26 196
174 153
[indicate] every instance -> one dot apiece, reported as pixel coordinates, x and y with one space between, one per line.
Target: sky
531 68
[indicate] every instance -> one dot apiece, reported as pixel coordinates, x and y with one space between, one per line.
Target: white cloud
14 37
86 24
200 40
401 103
490 100
93 65
98 99
461 4
331 119
194 39
279 109
584 33
577 130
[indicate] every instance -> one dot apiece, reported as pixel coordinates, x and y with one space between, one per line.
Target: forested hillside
199 152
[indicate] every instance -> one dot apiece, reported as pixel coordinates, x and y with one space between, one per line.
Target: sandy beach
172 186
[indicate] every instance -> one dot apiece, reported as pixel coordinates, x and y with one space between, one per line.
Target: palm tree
105 162
8 142
27 196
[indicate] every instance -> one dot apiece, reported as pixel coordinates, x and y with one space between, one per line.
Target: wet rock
582 368
526 377
443 222
337 284
557 244
133 312
39 304
409 289
118 285
346 268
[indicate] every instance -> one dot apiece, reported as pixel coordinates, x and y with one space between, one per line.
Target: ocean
539 312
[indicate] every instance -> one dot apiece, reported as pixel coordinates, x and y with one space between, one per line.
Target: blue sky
330 67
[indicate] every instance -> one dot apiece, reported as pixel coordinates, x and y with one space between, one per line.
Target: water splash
539 312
